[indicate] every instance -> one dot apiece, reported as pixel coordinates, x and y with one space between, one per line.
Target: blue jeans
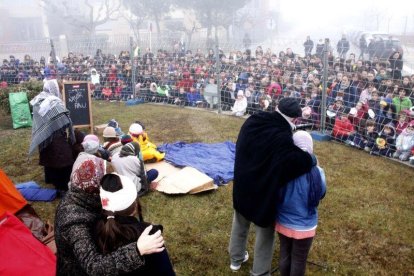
263 249
152 175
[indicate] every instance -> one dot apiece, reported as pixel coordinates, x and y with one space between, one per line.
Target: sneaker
235 268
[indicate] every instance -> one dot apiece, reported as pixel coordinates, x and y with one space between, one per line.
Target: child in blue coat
297 213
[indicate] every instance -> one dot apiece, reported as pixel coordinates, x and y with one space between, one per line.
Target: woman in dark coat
58 158
76 216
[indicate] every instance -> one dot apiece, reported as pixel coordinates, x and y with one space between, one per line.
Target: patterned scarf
55 119
87 173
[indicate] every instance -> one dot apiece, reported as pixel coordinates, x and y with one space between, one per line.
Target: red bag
20 252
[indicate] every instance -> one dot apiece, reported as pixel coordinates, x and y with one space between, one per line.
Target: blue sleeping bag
33 192
215 160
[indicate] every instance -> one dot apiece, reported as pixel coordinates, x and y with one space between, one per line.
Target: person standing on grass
266 159
297 213
53 135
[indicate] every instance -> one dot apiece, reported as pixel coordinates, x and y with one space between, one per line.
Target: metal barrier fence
361 100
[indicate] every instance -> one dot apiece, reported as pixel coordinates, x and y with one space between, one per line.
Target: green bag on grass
20 111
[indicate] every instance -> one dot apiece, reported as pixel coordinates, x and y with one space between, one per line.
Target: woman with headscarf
53 135
76 216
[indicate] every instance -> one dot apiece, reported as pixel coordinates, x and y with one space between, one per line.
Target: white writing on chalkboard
75 97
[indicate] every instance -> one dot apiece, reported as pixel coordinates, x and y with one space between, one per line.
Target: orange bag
10 198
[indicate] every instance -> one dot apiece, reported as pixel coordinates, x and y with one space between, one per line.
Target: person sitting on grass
111 140
148 149
240 104
297 213
76 215
107 92
122 223
405 143
129 162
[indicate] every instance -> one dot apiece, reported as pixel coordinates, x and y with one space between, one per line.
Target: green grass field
366 220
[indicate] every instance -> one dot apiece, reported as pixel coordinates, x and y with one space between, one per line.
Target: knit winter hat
121 199
303 140
290 107
130 149
125 139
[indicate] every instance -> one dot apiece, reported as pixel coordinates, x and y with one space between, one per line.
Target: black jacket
77 253
266 159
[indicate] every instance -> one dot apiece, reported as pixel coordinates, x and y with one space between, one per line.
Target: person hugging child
297 213
122 223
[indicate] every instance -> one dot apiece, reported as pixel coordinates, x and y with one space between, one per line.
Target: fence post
218 77
53 58
321 135
324 85
133 67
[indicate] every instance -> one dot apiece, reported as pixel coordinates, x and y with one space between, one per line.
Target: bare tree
212 13
135 15
84 14
149 9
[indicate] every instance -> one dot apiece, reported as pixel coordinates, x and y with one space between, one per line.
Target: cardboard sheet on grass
174 180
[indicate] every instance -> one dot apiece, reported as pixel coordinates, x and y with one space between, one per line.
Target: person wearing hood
385 143
53 135
405 143
297 213
240 104
94 77
259 172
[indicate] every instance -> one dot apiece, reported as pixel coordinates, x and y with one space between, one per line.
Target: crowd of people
360 91
99 226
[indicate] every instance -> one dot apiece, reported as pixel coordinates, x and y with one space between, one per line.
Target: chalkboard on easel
77 99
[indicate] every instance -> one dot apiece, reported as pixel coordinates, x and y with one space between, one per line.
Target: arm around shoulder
124 259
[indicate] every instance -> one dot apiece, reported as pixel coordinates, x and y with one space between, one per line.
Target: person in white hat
122 223
148 149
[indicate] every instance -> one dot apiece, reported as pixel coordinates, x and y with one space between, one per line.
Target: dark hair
110 233
369 123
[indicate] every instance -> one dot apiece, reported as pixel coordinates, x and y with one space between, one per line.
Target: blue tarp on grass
215 160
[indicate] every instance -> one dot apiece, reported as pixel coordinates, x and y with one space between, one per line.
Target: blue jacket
292 208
